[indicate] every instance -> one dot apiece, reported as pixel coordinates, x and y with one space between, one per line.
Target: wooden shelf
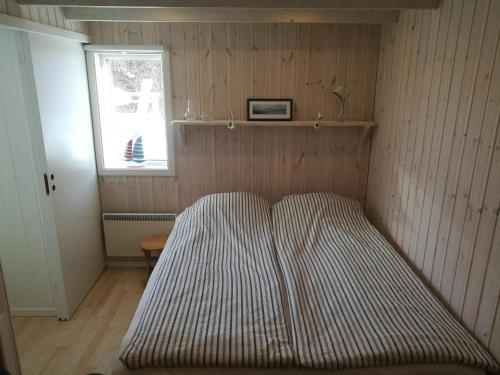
322 123
366 125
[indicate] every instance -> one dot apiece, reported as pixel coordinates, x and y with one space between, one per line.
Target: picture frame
269 109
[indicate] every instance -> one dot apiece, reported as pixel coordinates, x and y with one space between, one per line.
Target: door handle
46 179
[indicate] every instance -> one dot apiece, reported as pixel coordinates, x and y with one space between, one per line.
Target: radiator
123 232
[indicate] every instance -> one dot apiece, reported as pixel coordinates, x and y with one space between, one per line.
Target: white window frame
90 51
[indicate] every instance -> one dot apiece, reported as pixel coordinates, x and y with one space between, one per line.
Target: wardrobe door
63 99
23 248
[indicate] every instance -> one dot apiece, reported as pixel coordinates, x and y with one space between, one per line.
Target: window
130 94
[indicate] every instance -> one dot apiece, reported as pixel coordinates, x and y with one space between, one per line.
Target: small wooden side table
150 244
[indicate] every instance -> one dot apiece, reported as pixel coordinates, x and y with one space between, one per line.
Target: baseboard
125 262
33 312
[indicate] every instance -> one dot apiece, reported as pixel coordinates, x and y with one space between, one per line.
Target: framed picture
269 109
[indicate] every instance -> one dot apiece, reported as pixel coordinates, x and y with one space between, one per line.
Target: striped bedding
353 301
215 297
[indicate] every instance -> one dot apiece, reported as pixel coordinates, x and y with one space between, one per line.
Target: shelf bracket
182 134
230 124
365 134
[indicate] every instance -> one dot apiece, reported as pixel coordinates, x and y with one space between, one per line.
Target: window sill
128 168
144 171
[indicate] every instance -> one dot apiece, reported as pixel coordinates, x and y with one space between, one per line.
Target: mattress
353 301
215 297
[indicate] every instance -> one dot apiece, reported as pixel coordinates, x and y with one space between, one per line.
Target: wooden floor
89 342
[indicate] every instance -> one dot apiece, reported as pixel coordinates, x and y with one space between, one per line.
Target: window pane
131 108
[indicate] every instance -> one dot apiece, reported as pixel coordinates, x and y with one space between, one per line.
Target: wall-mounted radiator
123 232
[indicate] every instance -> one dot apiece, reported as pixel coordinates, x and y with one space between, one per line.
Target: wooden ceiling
239 15
338 4
255 11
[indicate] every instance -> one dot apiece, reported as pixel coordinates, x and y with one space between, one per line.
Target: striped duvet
353 301
215 295
307 283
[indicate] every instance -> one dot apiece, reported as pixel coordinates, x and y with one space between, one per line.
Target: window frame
90 56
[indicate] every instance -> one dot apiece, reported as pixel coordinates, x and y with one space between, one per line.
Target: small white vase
189 114
340 116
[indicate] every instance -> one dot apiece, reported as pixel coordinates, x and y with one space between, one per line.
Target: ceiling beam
16 23
311 4
230 15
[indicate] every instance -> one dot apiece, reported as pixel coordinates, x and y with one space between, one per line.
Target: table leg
148 261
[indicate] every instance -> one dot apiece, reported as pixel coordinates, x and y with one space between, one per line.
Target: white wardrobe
51 245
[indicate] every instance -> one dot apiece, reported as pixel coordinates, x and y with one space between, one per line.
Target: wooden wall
49 15
220 66
434 183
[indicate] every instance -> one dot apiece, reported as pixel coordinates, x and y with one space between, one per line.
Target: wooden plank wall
49 15
220 66
434 181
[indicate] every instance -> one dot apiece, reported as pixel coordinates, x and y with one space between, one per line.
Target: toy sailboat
138 151
128 155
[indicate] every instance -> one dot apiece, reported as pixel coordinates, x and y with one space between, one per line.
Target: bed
304 285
